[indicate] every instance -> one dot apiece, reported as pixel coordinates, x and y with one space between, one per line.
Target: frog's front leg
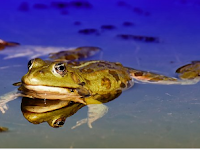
96 110
4 99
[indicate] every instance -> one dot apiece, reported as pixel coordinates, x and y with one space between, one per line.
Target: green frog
86 82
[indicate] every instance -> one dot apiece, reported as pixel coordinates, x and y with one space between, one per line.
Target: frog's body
97 79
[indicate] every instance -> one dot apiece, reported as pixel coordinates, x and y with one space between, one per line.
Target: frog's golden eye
59 123
30 64
60 68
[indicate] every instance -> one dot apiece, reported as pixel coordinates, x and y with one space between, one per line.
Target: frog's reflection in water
55 112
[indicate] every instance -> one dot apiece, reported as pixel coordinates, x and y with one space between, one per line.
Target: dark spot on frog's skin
128 24
82 83
40 6
108 27
138 74
106 83
88 82
81 55
88 31
24 6
70 57
154 79
83 92
100 65
77 23
114 74
105 64
107 97
122 85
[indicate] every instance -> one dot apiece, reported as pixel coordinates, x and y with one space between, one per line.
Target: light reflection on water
146 115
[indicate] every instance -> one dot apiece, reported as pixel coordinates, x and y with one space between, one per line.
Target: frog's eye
60 68
30 64
59 123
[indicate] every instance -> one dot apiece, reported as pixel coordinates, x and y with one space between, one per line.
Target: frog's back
103 77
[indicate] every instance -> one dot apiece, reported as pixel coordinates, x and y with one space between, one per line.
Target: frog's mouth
51 93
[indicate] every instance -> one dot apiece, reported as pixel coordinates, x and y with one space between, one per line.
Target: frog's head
52 76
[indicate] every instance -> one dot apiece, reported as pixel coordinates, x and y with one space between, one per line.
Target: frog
86 82
91 82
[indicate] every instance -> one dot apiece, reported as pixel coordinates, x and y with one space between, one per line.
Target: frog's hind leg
150 77
74 54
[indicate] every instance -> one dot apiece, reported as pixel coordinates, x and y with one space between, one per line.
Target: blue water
144 116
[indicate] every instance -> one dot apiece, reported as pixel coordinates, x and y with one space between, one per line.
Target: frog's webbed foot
7 98
74 54
95 111
190 71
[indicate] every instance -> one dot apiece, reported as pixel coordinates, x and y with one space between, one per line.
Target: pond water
147 115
